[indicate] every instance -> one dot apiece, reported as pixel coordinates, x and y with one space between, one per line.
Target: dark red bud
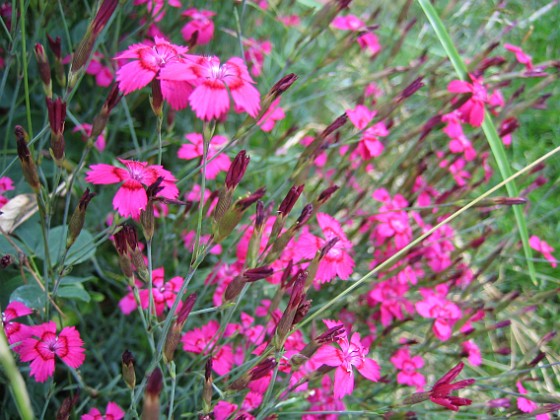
290 200
244 203
237 170
260 215
331 335
328 246
305 215
57 115
326 194
262 369
508 126
411 89
336 124
186 308
283 84
103 15
255 274
55 46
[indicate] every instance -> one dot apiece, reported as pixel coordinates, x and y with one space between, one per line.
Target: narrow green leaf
488 128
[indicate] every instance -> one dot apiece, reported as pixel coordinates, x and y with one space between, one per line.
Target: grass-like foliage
253 210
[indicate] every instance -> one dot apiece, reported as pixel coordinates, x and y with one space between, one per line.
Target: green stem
158 130
173 375
25 73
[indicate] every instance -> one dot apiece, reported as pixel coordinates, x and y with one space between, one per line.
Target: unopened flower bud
335 125
537 359
508 126
302 310
101 119
150 409
65 408
57 117
258 273
305 215
237 170
127 369
326 194
174 335
44 69
6 261
501 324
56 46
410 90
509 201
207 387
147 215
286 322
290 200
258 372
77 220
156 100
276 91
260 216
27 163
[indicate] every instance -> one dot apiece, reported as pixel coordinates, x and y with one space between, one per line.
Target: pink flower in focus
201 23
472 111
216 162
348 23
541 246
43 345
408 367
360 116
351 353
370 42
520 55
15 332
86 130
112 412
472 351
272 115
162 62
131 197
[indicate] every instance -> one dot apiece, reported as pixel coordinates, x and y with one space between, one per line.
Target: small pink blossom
444 312
188 241
369 42
156 7
360 116
112 412
131 197
203 340
290 20
43 345
162 62
6 184
272 115
15 332
369 145
462 145
201 23
103 74
544 248
527 406
348 23
521 56
86 130
351 353
472 351
390 295
255 54
408 367
322 399
472 110
216 162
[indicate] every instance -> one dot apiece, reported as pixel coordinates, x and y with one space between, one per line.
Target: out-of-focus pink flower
369 145
103 74
201 23
390 295
456 170
453 128
188 241
520 55
472 111
290 20
131 198
544 248
112 412
348 23
163 62
360 116
272 115
445 313
462 145
525 405
351 354
15 332
408 367
6 184
203 340
369 42
322 399
86 130
156 7
255 53
471 349
41 347
217 162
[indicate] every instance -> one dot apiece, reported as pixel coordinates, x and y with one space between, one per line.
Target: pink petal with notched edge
176 93
343 382
248 98
370 370
130 199
209 100
459 86
74 356
103 174
133 76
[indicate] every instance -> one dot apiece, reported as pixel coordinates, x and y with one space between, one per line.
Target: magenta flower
472 111
472 351
360 116
527 406
521 56
217 162
162 62
201 23
86 130
131 198
445 313
370 42
6 184
322 399
408 367
15 332
544 248
390 295
348 23
103 75
351 353
112 412
255 53
43 345
272 115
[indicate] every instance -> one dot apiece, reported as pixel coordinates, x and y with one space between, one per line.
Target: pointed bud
234 288
156 100
44 69
335 125
305 215
103 15
237 170
410 90
207 388
258 372
101 119
127 369
150 409
537 359
302 311
276 91
290 200
326 194
174 335
147 215
65 409
508 126
56 46
78 217
57 117
286 322
260 216
27 163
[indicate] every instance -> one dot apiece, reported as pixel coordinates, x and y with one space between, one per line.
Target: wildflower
472 111
112 412
216 162
273 114
472 351
41 347
408 367
255 53
527 406
444 312
15 331
86 129
369 41
544 248
203 340
389 295
443 387
322 399
103 74
200 23
159 63
360 116
351 353
521 56
156 7
348 23
131 197
6 184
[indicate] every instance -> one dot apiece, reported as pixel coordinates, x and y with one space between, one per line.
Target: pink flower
453 128
290 20
472 110
351 353
15 332
541 246
462 145
214 83
6 184
162 62
445 313
131 197
408 367
272 115
520 55
473 352
370 42
369 145
188 241
86 130
201 23
322 399
389 295
360 116
348 23
337 261
43 345
216 162
112 412
103 74
155 7
255 53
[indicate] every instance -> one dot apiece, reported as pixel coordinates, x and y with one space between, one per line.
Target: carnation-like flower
159 62
201 23
472 111
43 345
15 331
408 367
544 248
112 412
195 149
131 198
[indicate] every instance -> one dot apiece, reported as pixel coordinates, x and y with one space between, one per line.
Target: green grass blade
488 128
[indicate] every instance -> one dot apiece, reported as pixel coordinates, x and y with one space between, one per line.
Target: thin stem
173 375
151 303
25 74
158 131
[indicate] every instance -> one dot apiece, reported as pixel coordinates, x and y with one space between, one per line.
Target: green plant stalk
393 259
25 73
173 375
487 127
158 131
17 385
